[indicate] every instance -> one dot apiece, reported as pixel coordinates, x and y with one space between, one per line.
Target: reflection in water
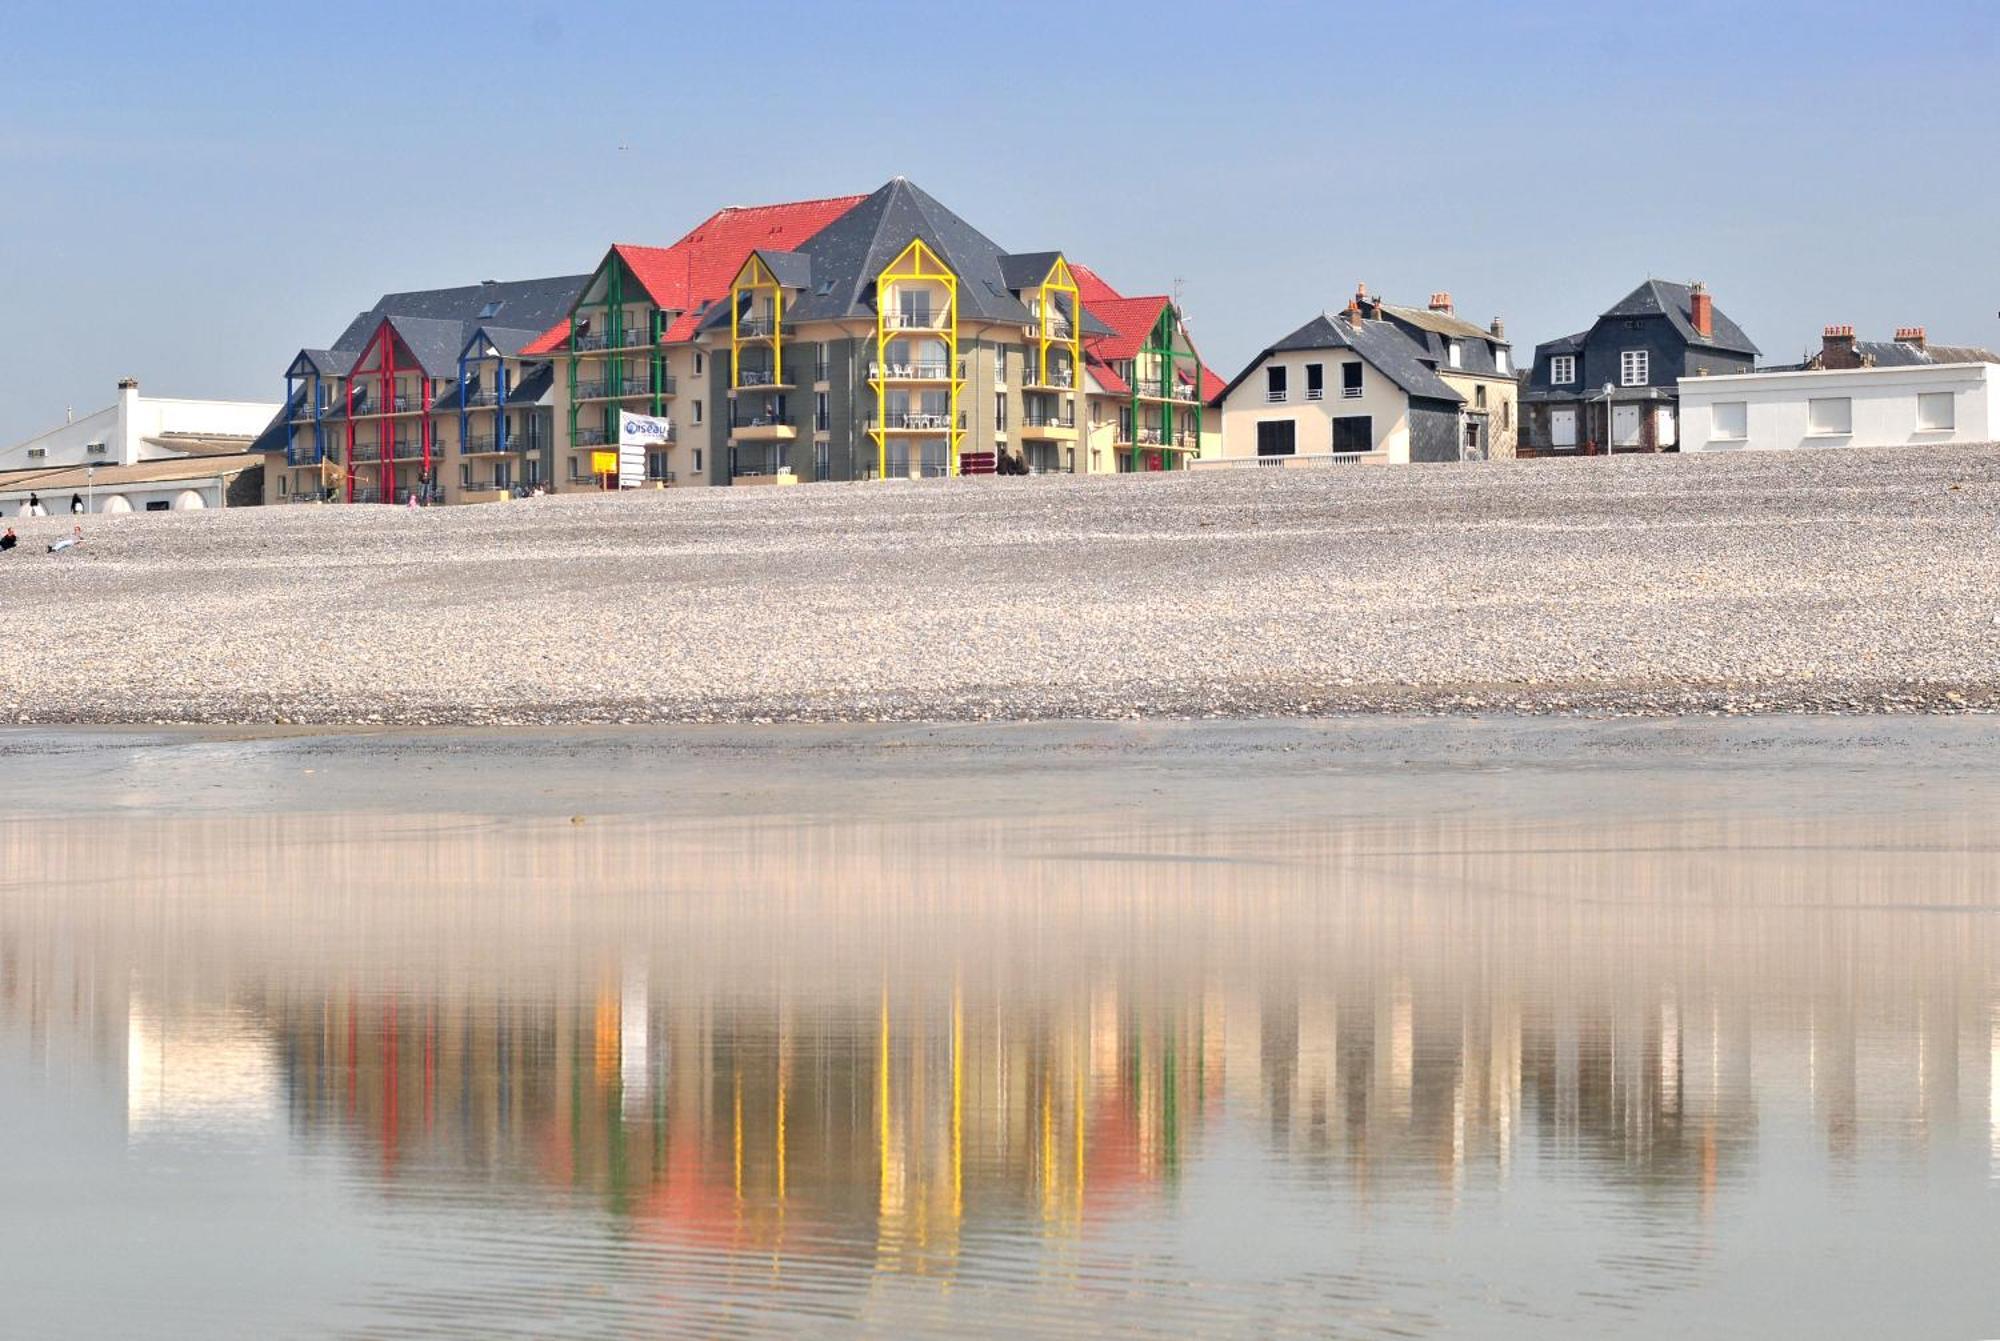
1170 1077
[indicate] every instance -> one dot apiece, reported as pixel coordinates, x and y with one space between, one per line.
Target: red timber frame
382 347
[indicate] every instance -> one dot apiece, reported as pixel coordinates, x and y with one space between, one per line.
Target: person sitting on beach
9 540
35 504
70 541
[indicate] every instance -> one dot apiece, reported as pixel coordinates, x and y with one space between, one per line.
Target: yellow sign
604 463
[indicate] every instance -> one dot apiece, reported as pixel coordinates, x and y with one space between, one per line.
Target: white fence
1297 461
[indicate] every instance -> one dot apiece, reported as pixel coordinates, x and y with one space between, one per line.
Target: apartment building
429 394
1150 396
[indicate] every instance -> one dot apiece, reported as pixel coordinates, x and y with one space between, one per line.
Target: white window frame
1455 352
1635 367
1950 423
1277 384
1562 370
1742 427
1821 422
1315 392
1499 359
1360 383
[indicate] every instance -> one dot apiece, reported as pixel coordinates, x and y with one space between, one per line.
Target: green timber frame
1156 368
611 345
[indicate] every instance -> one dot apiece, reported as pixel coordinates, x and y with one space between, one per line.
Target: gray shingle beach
1824 581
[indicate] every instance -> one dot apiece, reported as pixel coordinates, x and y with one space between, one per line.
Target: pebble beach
1864 581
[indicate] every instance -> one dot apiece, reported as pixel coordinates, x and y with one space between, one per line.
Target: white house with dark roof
1370 383
1904 392
1615 386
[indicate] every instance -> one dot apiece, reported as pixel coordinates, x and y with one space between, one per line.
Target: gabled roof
792 270
325 362
533 386
1568 344
1026 270
517 304
1090 285
850 252
1130 321
1661 297
1898 354
508 340
699 268
1444 323
433 343
1379 343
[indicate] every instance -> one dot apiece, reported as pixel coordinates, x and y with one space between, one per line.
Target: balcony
408 449
760 328
759 379
1049 425
1187 391
487 444
1059 379
909 372
900 421
304 414
920 319
479 399
397 405
589 437
765 428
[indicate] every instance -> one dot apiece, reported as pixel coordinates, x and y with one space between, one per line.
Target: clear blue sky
191 193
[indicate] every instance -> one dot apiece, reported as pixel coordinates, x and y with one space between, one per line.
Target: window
1829 416
822 416
1315 381
1729 420
698 363
531 471
697 460
1000 363
1499 360
823 461
491 309
1562 370
503 475
697 412
1350 381
282 479
1277 437
1354 433
916 305
1455 352
1936 412
1479 396
1000 412
465 475
656 465
1274 385
1635 367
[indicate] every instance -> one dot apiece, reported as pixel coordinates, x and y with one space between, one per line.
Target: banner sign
637 433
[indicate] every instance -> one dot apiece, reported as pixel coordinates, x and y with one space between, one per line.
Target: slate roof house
1613 386
1373 382
427 393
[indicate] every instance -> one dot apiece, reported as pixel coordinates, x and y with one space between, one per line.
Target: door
1475 439
1624 426
1562 428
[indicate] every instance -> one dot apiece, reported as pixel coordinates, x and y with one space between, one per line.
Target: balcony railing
1048 419
915 421
1058 377
592 390
590 437
931 371
1153 388
749 328
1292 461
476 399
766 421
756 377
1187 391
914 321
407 449
304 414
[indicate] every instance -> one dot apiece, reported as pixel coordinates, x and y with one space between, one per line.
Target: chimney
1910 335
1353 312
1701 309
1499 330
1836 348
1441 302
127 431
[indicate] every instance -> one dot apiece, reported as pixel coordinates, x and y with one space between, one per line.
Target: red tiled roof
698 268
1131 320
1109 380
1090 286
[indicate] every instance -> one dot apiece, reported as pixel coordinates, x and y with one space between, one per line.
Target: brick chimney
1499 330
1701 309
1441 302
1910 335
1353 311
1836 348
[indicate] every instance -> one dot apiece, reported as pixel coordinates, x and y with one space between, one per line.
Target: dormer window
491 309
1500 360
1455 353
1562 370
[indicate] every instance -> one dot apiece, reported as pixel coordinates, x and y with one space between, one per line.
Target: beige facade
1378 400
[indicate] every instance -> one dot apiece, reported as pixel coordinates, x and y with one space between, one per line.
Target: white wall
123 427
212 492
1882 404
1381 399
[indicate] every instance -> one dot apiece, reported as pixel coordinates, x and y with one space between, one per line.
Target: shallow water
1469 1028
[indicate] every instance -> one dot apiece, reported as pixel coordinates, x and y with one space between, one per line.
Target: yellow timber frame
917 262
754 278
1059 280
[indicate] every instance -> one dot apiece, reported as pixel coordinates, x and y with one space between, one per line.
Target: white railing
914 321
1296 461
910 372
756 377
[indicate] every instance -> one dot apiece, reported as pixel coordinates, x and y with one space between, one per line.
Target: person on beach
76 505
9 540
35 505
70 541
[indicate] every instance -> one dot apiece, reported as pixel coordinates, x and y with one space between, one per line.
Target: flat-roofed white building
1919 405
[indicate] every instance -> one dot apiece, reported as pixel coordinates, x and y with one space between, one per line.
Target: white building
140 453
1916 405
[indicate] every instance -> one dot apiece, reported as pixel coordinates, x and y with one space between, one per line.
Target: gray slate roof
1379 343
522 303
792 269
509 340
325 362
1661 297
1025 270
851 251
